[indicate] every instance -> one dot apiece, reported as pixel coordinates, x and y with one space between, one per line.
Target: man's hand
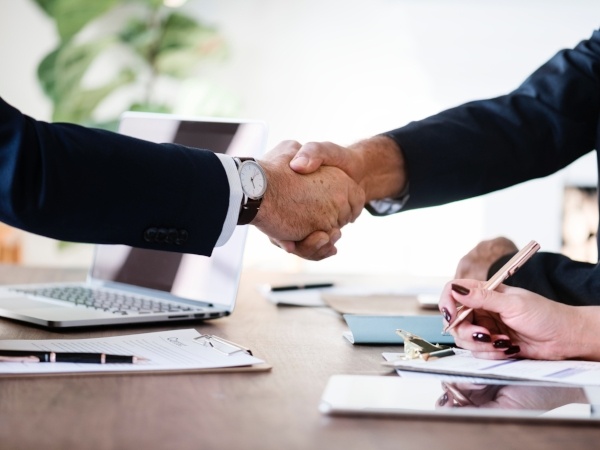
476 264
295 206
375 164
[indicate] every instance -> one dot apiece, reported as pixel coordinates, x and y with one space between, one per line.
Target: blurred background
337 70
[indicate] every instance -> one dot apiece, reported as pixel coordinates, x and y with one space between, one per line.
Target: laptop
128 285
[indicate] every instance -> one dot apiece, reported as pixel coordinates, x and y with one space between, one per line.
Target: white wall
342 70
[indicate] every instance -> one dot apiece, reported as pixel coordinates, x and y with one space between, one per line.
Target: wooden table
262 410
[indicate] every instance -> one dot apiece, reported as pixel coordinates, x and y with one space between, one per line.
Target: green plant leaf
176 46
185 42
78 105
63 69
151 107
141 38
72 15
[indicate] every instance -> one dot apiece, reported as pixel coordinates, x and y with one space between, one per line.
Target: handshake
316 189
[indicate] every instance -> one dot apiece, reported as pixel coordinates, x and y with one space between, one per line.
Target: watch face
253 178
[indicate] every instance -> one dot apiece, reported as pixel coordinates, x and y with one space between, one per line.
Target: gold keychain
416 347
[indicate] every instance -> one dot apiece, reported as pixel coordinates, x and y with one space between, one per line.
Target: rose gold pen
506 271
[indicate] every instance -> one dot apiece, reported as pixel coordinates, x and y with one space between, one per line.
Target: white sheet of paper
166 351
464 364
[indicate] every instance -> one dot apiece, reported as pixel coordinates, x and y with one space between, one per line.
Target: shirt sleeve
235 198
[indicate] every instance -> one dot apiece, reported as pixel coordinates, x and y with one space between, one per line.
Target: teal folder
365 329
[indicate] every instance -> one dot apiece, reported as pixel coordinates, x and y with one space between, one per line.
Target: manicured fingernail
460 289
502 343
443 399
446 315
482 337
512 350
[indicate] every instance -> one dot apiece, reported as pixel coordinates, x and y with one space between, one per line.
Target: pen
296 287
459 399
506 271
52 357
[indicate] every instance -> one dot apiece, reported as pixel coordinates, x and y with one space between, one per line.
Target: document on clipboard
162 352
463 363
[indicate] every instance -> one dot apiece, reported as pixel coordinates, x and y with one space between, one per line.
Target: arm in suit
483 146
86 185
551 120
544 125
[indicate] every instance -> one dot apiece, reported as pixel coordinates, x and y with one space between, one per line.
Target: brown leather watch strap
248 211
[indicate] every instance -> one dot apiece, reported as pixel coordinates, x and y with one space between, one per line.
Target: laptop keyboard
107 300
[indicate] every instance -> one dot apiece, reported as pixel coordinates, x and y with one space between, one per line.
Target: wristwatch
254 186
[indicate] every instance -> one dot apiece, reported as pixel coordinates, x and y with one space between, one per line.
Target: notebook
133 285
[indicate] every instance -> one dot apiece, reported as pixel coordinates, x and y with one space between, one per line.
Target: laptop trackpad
18 303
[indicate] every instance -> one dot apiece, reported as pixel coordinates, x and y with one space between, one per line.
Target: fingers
472 294
285 149
315 247
482 332
483 343
478 261
313 155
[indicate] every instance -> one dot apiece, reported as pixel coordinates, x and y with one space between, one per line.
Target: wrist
582 333
268 199
383 168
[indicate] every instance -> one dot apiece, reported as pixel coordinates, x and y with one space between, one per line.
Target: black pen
53 357
296 287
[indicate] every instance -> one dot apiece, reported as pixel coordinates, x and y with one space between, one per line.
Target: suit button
182 237
161 235
150 234
171 236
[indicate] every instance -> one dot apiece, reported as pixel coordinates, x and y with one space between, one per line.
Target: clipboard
167 352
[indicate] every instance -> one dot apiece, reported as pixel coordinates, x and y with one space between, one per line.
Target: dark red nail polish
443 399
482 337
512 350
502 343
446 315
460 289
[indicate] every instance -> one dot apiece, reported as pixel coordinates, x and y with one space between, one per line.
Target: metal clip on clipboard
416 347
221 345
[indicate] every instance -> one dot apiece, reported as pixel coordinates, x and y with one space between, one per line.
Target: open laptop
133 285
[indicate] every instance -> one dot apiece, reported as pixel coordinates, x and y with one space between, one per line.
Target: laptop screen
211 279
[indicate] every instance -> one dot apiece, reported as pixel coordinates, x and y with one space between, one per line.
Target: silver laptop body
133 285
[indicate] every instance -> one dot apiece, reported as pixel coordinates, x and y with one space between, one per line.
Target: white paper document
465 364
177 350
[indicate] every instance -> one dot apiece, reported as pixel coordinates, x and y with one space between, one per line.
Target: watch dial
253 179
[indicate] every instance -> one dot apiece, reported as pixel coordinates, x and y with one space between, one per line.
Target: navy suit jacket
551 120
86 185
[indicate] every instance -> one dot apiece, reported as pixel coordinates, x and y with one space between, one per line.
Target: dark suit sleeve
86 185
548 122
483 146
557 277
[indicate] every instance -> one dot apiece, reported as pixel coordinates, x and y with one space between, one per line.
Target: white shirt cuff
235 198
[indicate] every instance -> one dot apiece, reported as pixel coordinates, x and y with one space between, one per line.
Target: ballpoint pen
506 271
53 357
296 287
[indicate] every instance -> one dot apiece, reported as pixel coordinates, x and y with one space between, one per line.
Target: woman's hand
513 322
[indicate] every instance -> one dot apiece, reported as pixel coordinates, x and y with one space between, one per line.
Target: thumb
313 155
